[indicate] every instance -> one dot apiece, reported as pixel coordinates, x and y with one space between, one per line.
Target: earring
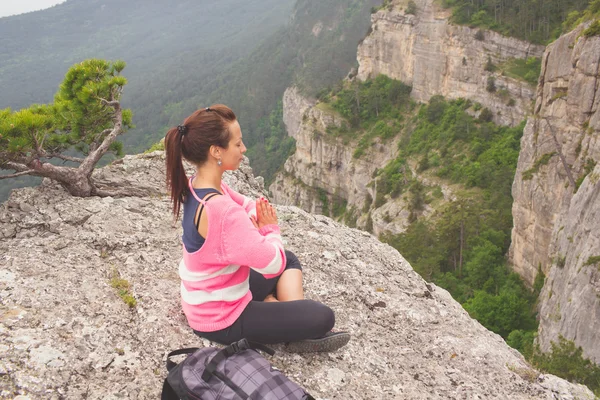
219 162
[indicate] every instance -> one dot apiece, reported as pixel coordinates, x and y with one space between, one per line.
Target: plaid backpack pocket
237 371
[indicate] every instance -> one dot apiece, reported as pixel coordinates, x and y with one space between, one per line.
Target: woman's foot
330 342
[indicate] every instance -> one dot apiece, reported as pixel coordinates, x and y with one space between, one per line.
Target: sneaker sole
330 343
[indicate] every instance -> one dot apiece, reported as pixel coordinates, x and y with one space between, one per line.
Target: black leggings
275 322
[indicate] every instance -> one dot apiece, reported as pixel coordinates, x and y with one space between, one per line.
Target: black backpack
237 371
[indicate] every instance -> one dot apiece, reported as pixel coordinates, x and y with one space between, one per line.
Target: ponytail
176 178
192 140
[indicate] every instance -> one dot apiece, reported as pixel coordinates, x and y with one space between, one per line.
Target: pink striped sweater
214 279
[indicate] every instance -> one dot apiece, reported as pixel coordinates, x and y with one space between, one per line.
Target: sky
13 7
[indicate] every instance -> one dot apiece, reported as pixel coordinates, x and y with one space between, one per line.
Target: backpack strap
171 364
167 391
225 379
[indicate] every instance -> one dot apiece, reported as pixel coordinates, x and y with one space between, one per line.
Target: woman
237 281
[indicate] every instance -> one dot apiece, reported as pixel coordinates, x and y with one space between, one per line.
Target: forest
531 20
462 245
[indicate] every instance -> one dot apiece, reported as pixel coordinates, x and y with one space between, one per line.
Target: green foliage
373 109
369 224
526 19
364 103
123 288
324 199
501 313
489 65
276 146
21 130
417 199
524 69
538 284
462 247
486 115
386 5
491 84
411 8
522 341
78 107
339 206
592 260
159 146
589 166
172 73
560 261
566 360
77 119
543 160
575 18
393 178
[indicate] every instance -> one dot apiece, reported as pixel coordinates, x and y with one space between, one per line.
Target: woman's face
232 156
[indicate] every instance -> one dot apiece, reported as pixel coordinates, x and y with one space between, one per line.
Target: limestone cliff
437 58
66 334
555 224
423 50
322 161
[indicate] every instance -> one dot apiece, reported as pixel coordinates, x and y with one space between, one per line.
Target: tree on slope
86 116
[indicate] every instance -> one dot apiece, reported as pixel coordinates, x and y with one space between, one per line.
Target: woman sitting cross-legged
237 281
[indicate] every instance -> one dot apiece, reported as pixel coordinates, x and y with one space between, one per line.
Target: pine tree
86 116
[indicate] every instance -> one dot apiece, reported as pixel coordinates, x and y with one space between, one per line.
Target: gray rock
556 227
438 58
76 338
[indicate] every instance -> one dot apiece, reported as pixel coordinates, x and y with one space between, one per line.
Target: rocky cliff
67 334
556 223
424 50
323 165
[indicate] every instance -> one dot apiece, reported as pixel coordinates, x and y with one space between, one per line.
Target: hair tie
208 109
182 129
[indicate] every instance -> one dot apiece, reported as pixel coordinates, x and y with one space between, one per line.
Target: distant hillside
160 40
152 36
532 20
314 51
239 53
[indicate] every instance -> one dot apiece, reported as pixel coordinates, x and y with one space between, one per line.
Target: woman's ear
215 151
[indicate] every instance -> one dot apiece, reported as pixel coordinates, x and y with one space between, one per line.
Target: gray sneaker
330 342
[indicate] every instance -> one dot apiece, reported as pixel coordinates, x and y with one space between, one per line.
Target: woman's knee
292 261
323 317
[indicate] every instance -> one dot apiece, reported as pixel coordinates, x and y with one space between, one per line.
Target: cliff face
66 334
437 58
423 50
556 226
321 160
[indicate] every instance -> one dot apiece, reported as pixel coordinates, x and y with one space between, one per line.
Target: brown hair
192 140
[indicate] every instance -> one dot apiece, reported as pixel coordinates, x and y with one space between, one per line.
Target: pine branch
114 104
28 172
98 137
66 158
94 156
21 169
38 149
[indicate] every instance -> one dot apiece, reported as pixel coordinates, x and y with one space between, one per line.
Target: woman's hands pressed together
265 214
